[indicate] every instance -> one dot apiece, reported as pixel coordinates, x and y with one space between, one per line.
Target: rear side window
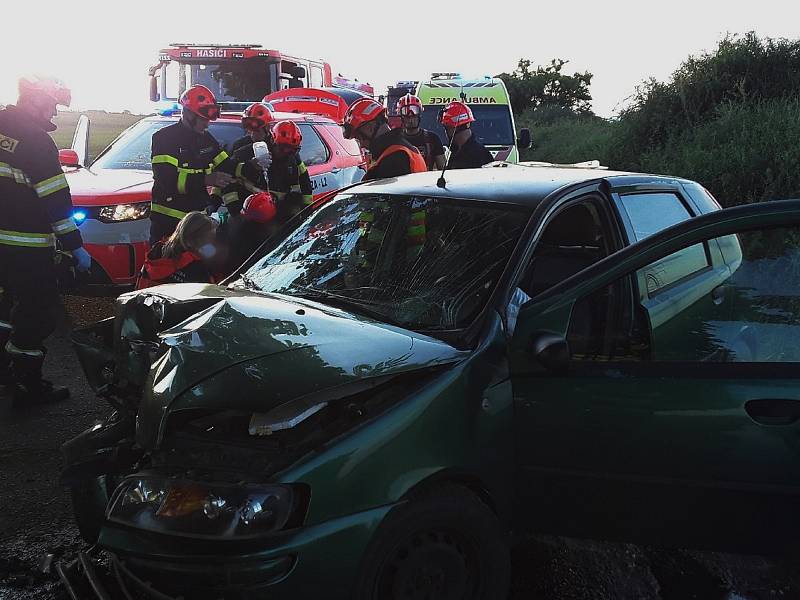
313 151
653 212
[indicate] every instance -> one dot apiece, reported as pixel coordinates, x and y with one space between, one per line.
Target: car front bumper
319 561
118 248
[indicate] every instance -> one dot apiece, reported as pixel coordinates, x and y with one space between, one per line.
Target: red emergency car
111 197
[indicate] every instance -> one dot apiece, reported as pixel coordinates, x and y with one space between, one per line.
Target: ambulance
490 103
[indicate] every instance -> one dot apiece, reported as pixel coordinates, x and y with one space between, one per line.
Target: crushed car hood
282 348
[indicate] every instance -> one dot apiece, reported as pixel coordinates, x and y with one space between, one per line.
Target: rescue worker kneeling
191 254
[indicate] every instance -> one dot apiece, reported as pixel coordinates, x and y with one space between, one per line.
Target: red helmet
259 208
257 116
287 132
200 100
361 112
456 114
46 87
409 105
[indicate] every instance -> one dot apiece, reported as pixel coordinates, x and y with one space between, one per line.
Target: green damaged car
382 396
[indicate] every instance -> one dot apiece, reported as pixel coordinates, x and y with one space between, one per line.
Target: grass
104 128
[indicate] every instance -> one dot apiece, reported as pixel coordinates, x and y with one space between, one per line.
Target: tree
548 87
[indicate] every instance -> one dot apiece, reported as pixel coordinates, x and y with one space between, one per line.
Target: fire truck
239 73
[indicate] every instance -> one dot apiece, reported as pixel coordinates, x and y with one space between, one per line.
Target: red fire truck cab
238 74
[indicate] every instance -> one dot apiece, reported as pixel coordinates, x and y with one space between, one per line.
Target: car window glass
746 312
350 146
313 150
571 241
650 213
423 263
133 148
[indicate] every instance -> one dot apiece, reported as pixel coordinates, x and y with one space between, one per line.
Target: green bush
748 153
729 120
568 139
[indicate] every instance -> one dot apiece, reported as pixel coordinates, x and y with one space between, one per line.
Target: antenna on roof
441 183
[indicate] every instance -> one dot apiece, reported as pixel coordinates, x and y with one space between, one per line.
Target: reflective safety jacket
287 177
35 204
396 156
181 160
186 268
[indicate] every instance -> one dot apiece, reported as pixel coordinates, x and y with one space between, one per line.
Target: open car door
657 393
80 140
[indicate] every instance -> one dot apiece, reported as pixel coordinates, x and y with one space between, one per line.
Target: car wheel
89 500
443 545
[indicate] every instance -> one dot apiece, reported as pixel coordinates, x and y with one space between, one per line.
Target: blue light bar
172 109
79 216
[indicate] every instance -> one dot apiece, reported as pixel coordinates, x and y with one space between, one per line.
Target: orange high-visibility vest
415 159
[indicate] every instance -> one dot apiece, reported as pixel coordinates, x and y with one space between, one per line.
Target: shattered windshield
421 263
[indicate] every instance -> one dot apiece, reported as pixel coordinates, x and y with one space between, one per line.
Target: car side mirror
524 139
68 158
551 351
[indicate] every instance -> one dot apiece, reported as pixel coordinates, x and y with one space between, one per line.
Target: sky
103 49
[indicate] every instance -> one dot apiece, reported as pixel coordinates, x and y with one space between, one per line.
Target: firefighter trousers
29 307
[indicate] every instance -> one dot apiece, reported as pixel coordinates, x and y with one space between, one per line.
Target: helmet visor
411 110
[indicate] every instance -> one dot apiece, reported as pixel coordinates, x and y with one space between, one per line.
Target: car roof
524 185
237 117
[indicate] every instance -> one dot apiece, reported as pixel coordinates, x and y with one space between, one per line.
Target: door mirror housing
68 158
551 351
524 139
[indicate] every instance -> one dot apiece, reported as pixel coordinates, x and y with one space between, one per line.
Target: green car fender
457 427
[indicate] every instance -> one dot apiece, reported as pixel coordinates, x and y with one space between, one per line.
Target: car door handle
773 411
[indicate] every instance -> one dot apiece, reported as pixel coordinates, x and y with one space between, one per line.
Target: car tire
445 544
89 500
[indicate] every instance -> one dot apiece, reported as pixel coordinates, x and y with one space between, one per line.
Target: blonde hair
193 228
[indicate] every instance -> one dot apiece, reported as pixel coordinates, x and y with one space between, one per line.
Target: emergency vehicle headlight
79 216
125 212
189 508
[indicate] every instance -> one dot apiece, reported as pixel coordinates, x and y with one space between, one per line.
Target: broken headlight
192 509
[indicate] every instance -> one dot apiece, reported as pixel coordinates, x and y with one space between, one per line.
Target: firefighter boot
29 387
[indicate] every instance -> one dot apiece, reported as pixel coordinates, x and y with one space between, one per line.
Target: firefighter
286 175
244 232
190 254
466 152
256 121
186 160
365 121
289 181
36 214
410 108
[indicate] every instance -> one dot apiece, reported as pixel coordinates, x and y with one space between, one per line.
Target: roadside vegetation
104 128
729 119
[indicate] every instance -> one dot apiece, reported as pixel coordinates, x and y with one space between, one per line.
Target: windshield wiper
362 307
